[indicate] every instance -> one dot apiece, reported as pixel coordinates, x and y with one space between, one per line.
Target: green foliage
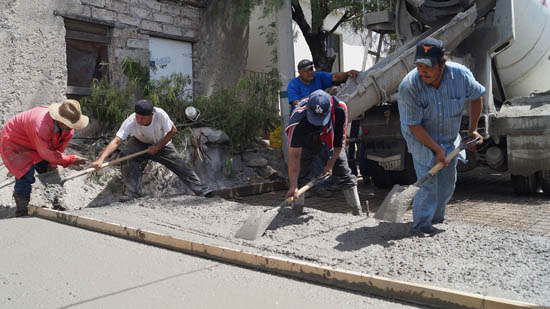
243 113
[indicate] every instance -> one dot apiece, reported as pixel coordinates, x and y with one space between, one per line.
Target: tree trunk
315 39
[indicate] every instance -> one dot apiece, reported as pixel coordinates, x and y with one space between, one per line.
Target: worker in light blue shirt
431 99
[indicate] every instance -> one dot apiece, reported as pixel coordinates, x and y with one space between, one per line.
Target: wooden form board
349 280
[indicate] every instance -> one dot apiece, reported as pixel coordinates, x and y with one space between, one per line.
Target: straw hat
69 114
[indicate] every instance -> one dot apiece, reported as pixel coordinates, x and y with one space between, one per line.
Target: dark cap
144 107
305 65
429 51
318 108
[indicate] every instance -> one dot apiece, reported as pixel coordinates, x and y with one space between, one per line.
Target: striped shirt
439 110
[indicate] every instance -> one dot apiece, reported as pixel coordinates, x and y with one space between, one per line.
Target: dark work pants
167 156
341 173
23 185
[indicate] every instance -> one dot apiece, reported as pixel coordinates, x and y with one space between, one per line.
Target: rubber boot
298 205
22 203
352 198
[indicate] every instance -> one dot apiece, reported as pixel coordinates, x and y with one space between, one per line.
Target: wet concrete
65 267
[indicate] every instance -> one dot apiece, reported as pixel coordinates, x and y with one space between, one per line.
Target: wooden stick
116 161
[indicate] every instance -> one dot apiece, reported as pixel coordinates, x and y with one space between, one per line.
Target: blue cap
429 51
318 108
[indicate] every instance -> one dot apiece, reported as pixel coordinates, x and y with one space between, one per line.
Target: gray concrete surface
50 265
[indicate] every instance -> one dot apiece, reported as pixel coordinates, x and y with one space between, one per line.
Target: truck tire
545 181
408 175
379 176
525 185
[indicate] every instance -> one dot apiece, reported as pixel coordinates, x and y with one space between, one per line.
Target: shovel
256 224
400 198
54 174
91 169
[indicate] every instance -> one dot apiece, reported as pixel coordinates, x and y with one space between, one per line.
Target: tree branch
342 20
299 17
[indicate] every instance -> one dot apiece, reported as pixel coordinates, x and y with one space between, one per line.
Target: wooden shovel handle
453 154
301 191
448 159
116 161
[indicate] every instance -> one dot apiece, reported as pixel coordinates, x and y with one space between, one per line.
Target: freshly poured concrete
468 257
50 265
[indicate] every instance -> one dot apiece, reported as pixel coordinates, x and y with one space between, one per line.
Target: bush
242 113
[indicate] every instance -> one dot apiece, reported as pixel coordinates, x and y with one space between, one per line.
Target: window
171 56
333 49
87 51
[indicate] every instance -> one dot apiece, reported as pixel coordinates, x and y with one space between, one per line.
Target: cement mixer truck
506 44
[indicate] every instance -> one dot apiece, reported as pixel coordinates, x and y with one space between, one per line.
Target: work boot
298 205
352 198
22 203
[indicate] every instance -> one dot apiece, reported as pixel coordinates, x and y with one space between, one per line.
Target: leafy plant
242 113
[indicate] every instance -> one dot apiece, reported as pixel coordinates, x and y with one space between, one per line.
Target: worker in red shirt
35 141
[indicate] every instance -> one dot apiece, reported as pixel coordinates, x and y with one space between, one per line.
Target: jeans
23 185
341 173
168 157
432 198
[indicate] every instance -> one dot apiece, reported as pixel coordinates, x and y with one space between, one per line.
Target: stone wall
33 55
221 53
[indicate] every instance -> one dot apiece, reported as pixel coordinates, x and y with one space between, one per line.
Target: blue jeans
23 185
432 198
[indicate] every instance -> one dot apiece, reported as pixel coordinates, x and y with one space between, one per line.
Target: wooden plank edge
252 189
349 280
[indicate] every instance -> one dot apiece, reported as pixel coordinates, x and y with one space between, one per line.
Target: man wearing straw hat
35 141
151 128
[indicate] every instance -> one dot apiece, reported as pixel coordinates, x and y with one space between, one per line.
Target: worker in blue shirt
431 99
308 81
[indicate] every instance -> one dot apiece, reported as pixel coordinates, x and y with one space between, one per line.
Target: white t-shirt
151 134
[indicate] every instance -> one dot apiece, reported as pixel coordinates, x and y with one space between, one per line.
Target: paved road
482 197
50 265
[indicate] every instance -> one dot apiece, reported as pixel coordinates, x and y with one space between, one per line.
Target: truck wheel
408 175
525 185
545 181
379 176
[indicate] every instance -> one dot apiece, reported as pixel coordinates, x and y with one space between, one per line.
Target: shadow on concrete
286 217
384 234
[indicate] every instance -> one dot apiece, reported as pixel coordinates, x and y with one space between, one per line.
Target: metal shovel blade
398 200
255 226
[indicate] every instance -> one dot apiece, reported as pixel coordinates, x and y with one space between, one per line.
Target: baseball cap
429 51
144 107
318 108
305 65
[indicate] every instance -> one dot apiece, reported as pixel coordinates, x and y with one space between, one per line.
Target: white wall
351 44
259 53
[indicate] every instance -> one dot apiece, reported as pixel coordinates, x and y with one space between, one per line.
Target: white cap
192 113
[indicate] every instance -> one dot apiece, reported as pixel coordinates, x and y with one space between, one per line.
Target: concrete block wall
33 57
